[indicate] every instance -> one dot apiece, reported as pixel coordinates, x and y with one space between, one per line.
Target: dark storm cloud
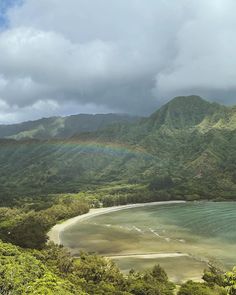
61 57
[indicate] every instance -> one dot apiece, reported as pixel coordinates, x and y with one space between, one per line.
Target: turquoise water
204 230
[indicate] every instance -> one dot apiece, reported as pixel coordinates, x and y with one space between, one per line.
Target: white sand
54 233
150 255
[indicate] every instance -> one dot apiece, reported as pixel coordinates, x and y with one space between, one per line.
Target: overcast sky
60 57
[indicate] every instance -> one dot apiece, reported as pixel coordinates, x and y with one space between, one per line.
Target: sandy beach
54 233
149 255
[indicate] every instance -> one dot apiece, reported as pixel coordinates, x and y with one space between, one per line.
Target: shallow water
204 230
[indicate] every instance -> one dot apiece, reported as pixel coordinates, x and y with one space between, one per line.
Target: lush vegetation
53 271
185 150
28 228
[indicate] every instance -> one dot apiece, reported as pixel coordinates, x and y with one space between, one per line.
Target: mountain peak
188 99
184 111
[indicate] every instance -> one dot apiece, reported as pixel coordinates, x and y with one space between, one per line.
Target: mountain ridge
196 154
180 112
61 127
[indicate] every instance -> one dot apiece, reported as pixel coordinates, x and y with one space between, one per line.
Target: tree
31 231
230 281
194 288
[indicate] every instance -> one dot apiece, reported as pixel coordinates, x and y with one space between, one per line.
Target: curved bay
204 230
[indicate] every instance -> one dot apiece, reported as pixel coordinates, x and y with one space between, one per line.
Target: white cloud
115 55
44 108
205 57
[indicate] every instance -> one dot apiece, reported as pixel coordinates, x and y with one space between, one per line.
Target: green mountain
61 127
187 148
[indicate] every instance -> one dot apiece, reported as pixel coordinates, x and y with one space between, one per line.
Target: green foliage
159 273
21 273
186 148
53 271
214 276
50 284
99 274
194 288
230 281
151 282
29 229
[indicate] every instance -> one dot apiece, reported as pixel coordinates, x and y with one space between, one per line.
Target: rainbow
95 147
84 146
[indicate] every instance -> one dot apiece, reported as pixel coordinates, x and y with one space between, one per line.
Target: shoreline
55 231
54 236
149 255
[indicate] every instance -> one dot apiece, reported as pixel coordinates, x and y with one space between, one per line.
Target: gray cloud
108 55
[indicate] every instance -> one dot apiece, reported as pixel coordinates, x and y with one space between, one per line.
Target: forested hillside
187 148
